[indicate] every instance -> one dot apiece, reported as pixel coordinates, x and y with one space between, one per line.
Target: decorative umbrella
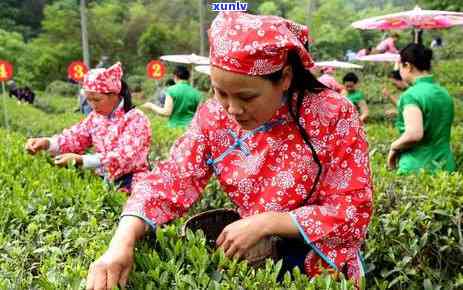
416 19
205 69
186 58
337 64
381 57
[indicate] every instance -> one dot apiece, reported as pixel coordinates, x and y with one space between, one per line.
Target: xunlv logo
237 6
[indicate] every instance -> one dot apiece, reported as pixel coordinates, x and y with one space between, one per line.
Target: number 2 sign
155 69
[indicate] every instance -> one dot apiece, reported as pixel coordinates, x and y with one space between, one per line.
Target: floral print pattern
256 45
122 141
275 175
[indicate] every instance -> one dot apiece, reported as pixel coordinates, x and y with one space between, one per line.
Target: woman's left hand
392 158
68 158
238 237
147 106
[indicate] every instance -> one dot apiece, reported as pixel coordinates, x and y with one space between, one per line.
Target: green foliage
105 22
269 8
449 75
55 104
54 222
417 221
32 122
331 37
61 88
46 62
451 5
135 82
22 16
137 31
414 240
198 269
11 46
156 39
49 54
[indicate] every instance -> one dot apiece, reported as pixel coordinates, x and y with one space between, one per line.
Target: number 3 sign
155 69
77 70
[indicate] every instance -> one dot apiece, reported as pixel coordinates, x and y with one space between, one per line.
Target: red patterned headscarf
256 45
104 80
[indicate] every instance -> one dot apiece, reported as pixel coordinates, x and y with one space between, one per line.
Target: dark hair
170 82
395 74
350 77
126 96
438 40
417 55
182 72
303 81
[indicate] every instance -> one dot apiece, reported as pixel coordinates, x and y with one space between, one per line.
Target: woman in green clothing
355 96
181 100
425 116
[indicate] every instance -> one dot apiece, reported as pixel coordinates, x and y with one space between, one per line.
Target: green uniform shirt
186 99
433 152
355 97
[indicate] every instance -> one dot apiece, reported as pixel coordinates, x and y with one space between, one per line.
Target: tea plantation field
55 221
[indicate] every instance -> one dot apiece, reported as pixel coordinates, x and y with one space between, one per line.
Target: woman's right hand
386 93
111 269
35 145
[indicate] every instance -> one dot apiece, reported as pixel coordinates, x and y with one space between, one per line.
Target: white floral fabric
256 44
272 169
121 140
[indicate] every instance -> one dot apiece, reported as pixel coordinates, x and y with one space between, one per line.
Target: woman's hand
68 158
148 106
112 269
238 237
386 93
390 113
392 158
35 145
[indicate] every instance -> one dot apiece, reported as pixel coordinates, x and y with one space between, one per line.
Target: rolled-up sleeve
73 140
176 183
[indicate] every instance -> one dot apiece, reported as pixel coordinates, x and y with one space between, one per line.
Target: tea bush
55 104
62 88
54 222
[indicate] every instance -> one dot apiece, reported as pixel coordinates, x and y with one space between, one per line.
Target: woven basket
212 223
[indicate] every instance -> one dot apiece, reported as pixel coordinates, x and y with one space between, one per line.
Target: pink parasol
416 18
381 57
337 64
